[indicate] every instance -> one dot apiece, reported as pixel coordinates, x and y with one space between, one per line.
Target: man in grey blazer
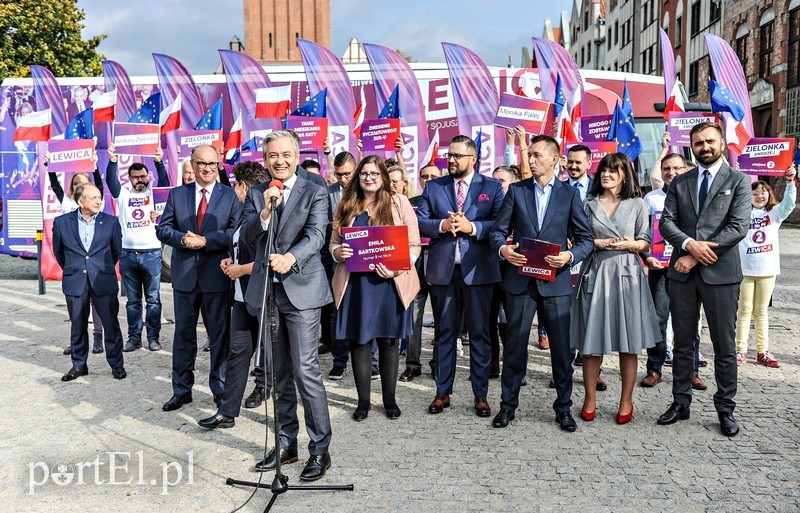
299 290
706 214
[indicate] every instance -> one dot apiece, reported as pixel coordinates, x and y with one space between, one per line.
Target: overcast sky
193 30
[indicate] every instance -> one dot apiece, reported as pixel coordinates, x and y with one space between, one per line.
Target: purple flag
476 100
244 75
116 77
390 70
553 61
729 74
667 64
324 70
48 95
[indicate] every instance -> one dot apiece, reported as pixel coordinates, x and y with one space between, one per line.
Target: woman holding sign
760 255
613 309
373 305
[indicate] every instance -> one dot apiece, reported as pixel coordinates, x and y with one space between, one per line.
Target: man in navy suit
549 210
457 212
87 244
198 222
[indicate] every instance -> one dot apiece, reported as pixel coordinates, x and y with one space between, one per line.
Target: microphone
279 185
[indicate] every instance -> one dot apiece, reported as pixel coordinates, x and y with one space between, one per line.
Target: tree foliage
47 33
406 56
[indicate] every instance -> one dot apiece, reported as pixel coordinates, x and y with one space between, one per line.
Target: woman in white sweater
760 255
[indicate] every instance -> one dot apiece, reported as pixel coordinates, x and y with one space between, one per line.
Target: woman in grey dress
612 309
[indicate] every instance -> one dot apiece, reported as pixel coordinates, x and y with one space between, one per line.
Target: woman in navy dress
373 305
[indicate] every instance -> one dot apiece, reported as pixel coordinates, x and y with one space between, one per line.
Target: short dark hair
466 140
583 148
706 124
136 166
342 158
249 172
426 166
621 164
389 162
551 142
310 163
674 156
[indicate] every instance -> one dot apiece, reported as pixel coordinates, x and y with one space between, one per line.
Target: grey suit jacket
301 232
724 219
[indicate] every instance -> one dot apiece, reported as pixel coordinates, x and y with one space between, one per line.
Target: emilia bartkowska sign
373 245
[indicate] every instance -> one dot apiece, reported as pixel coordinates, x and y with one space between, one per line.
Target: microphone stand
264 353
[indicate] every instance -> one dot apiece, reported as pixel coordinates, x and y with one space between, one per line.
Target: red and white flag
736 134
170 118
234 137
35 126
675 101
567 124
273 102
433 150
358 115
104 106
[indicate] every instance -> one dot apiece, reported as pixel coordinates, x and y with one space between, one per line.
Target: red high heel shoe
587 416
624 419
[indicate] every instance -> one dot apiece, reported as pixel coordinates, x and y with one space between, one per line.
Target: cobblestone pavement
97 444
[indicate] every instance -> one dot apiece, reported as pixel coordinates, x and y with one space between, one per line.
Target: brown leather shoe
652 379
544 342
440 402
482 408
698 384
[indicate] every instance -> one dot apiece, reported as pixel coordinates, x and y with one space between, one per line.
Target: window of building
694 78
716 11
630 32
589 54
270 39
608 39
616 32
583 60
695 23
793 78
586 20
678 31
765 49
792 126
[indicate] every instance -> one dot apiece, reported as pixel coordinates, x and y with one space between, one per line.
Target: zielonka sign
680 124
141 139
70 156
188 139
767 156
531 114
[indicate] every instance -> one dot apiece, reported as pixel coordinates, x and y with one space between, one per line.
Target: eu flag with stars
150 110
627 106
560 100
212 119
315 107
392 107
723 101
623 131
82 126
251 145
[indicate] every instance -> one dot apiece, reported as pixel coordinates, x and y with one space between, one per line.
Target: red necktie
201 210
461 194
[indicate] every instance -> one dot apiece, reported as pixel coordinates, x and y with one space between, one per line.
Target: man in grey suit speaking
299 290
706 214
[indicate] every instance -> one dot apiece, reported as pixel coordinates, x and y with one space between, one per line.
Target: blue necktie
704 189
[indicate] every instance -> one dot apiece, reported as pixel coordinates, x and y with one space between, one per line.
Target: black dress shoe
176 401
315 467
255 398
675 413
68 350
218 421
503 419
154 345
287 456
727 424
97 347
601 385
119 373
566 422
392 412
494 375
74 373
131 346
324 349
362 411
217 399
409 374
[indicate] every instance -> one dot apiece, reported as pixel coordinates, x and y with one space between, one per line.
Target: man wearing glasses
198 222
457 212
140 264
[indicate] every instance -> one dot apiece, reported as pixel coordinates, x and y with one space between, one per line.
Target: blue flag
797 157
315 107
392 107
560 100
723 101
623 131
212 119
251 145
478 149
82 126
150 110
627 106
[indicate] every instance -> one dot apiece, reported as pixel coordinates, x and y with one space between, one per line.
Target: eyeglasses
342 175
673 168
139 178
371 176
428 177
397 181
201 165
457 156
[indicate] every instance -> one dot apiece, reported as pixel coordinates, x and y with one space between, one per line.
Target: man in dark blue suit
549 210
87 244
457 212
198 222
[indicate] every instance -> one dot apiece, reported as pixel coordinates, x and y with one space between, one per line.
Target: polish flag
34 126
567 125
273 102
736 134
675 101
170 118
234 137
358 115
433 150
104 106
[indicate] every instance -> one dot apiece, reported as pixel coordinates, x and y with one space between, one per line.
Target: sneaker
336 373
459 347
767 360
741 358
668 359
701 358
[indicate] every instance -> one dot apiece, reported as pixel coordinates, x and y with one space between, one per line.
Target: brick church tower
271 27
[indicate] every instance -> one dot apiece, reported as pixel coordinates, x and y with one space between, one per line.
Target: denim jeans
141 271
